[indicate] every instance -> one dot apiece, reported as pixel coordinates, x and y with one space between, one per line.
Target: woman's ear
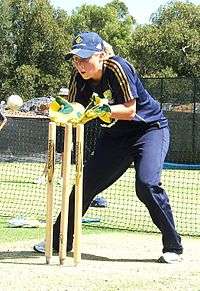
102 56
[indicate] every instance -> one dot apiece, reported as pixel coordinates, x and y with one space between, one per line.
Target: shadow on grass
15 255
18 255
92 257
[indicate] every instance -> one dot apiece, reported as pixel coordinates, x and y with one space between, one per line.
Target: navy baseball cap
85 45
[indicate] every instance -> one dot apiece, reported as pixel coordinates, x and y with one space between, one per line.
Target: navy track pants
147 148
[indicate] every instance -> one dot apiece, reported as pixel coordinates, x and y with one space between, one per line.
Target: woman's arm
124 111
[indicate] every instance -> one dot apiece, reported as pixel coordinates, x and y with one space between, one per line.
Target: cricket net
23 155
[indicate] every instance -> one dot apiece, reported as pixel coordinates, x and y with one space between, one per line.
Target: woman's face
90 68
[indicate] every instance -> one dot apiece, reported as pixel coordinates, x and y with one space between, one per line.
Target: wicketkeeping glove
98 107
62 112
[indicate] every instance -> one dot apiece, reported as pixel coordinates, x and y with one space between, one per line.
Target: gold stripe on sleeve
73 87
121 77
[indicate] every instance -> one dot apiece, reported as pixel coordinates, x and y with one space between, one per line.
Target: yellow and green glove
61 111
97 108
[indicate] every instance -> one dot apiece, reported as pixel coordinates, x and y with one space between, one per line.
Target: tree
35 38
37 35
113 22
6 47
169 46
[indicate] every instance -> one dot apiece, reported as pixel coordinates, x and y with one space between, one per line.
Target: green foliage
35 38
177 11
34 46
112 22
170 45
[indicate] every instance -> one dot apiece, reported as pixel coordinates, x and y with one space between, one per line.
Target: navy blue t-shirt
122 84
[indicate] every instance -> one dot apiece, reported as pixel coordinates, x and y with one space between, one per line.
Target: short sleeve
123 79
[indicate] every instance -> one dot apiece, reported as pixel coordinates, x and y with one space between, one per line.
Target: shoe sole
38 251
43 252
162 260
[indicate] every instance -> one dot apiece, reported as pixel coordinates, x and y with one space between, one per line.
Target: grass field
10 234
19 196
111 259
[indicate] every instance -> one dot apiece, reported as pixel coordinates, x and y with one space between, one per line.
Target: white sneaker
40 247
170 258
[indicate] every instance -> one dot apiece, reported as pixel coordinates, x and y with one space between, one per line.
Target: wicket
65 192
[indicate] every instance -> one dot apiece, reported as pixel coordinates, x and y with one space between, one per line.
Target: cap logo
99 46
78 39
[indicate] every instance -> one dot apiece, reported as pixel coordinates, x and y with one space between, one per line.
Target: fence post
194 120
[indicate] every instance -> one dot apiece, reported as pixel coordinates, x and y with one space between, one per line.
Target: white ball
14 102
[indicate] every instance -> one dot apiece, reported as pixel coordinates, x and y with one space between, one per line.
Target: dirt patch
110 261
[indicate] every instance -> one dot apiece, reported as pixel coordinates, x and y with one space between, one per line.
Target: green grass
19 196
12 234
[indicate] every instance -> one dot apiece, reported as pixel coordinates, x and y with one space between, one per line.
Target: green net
23 155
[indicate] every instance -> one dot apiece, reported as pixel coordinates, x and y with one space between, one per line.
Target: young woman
140 134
